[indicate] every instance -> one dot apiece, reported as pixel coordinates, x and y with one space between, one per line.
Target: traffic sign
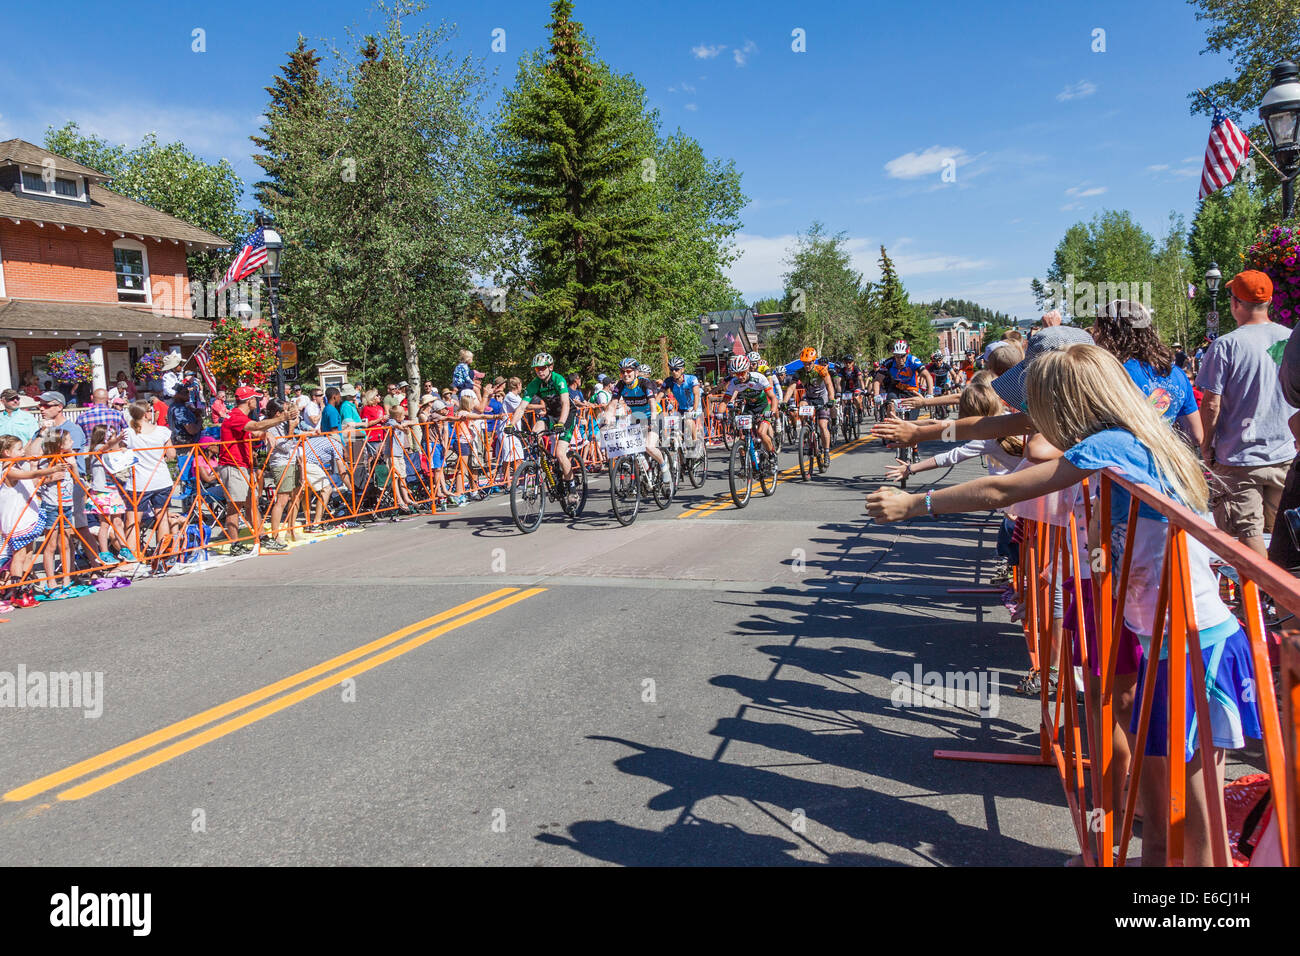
288 353
1211 323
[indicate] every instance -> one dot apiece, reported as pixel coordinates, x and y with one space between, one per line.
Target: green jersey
548 392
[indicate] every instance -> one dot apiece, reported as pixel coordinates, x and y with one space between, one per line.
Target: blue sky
1041 130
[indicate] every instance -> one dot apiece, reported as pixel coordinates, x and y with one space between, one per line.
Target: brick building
82 267
957 334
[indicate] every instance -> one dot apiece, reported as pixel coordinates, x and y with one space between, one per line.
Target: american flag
251 258
201 360
1227 149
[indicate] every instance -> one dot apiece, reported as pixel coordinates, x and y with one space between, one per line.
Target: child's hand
894 472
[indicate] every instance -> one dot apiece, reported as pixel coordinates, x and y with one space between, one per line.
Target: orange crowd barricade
1081 748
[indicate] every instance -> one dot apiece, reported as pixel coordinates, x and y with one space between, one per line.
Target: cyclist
552 391
634 394
818 389
688 393
940 371
756 397
968 367
851 379
903 375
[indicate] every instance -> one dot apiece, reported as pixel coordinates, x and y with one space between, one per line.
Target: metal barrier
1049 554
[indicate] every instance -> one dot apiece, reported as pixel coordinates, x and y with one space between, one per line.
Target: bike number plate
621 440
805 411
744 422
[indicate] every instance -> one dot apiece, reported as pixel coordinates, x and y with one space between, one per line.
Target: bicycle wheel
661 491
697 469
857 423
740 474
806 454
572 504
767 473
624 489
528 497
823 453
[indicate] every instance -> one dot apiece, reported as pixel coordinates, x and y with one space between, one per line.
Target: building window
33 183
66 187
131 266
63 186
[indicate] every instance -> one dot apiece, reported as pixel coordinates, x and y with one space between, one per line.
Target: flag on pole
251 258
201 358
1226 150
1191 291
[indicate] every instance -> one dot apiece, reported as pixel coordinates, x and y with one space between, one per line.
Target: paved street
707 686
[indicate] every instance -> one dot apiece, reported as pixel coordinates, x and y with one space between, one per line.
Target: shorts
234 478
1229 689
567 434
1245 499
51 514
107 503
147 503
22 539
284 477
318 479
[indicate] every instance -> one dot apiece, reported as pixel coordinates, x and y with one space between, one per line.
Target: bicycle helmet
763 369
644 369
738 364
936 355
628 363
808 355
847 359
755 359
900 347
676 363
542 359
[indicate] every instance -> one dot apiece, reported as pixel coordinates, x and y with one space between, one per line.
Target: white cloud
1187 173
1081 193
742 54
932 160
706 51
691 106
1158 168
1076 91
682 87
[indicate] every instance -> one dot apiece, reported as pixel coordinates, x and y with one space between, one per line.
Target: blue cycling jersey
683 392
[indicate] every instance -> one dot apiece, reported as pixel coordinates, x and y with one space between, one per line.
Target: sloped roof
949 321
23 153
105 210
91 318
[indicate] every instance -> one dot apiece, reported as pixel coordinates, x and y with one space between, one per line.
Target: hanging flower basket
69 366
240 354
1277 254
149 367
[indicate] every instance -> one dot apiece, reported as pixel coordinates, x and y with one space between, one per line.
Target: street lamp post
271 270
1280 112
717 369
1212 279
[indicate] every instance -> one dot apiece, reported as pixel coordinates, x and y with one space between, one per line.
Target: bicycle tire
806 457
579 471
740 472
697 469
767 482
528 497
661 494
624 489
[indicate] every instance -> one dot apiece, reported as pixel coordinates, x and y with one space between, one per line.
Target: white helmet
755 359
900 347
738 364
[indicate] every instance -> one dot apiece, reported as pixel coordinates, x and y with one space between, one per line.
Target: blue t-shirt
331 419
1171 395
494 407
462 377
683 392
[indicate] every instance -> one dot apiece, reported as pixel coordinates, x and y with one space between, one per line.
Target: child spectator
22 519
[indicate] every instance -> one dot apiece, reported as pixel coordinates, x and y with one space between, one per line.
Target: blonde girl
1083 401
22 520
104 496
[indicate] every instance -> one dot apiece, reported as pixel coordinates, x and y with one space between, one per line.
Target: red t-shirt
160 412
373 413
236 448
219 411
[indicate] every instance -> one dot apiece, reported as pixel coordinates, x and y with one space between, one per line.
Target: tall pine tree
294 94
577 159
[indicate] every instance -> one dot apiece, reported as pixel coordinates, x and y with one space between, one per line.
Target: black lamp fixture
717 371
1280 111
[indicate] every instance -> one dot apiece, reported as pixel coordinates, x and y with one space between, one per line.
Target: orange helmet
808 355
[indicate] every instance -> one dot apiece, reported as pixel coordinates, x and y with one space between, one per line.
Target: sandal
1031 684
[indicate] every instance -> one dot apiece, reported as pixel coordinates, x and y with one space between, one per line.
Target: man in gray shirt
1247 444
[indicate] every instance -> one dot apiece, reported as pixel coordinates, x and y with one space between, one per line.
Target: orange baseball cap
1252 286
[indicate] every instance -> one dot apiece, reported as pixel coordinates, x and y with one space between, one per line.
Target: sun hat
171 361
348 390
426 398
26 401
1010 385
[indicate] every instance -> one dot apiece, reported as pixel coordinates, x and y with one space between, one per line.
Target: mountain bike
850 424
750 461
814 456
689 458
538 475
633 474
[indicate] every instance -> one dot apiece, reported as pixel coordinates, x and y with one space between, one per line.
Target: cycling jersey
637 397
752 392
904 376
852 378
776 388
941 372
812 380
548 392
683 392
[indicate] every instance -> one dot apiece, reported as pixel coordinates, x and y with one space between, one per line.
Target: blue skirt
1229 688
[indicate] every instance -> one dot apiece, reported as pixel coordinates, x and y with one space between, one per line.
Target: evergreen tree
896 315
295 93
577 156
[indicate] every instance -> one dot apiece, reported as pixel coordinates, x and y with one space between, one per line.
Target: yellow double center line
388 646
724 501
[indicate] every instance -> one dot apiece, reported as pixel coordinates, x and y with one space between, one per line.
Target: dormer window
131 263
64 187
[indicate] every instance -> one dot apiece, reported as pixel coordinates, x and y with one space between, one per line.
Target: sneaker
26 599
106 557
239 548
271 544
5 608
126 555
